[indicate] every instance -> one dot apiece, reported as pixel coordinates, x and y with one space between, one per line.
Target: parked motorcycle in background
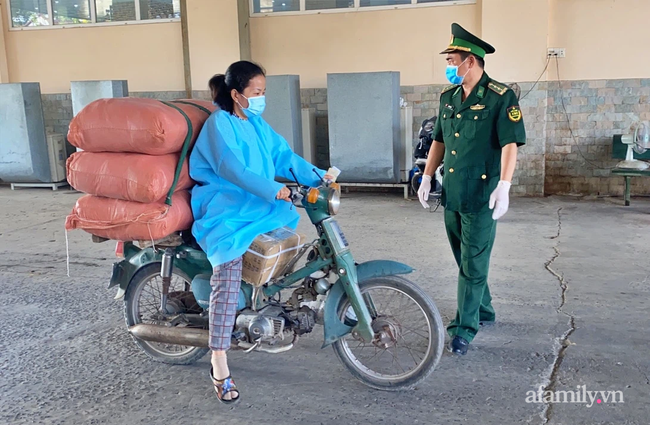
421 154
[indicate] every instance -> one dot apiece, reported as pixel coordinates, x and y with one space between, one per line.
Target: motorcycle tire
139 280
415 182
434 349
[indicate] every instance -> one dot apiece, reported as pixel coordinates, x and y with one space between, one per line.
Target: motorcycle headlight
334 201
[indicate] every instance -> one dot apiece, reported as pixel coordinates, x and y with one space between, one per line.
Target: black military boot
458 345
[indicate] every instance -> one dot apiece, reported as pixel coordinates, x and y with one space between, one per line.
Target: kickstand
438 201
257 344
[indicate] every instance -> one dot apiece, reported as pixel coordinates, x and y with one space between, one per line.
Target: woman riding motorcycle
235 161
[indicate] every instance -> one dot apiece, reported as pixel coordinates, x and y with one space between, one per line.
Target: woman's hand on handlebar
284 194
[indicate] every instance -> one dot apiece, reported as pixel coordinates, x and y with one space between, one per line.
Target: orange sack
130 221
137 125
127 176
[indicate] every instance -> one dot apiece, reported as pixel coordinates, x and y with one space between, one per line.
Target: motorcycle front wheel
142 305
409 335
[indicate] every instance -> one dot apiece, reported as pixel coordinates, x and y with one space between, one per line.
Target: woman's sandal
223 387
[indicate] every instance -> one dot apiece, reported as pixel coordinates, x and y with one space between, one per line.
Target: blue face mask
452 74
256 106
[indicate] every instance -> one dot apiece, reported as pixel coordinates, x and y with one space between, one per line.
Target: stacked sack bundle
134 167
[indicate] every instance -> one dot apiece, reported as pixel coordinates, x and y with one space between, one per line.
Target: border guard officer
478 131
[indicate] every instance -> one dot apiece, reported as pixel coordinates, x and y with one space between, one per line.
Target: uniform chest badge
477 107
514 113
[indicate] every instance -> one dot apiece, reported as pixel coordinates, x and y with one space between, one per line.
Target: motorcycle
384 328
420 155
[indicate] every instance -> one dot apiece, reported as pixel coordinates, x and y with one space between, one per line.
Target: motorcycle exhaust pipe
181 336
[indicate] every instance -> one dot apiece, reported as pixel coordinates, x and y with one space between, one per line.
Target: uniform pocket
473 121
477 182
447 126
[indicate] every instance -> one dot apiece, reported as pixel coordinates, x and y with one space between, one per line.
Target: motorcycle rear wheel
165 353
426 316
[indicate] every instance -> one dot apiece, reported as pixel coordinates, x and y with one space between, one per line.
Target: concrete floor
570 280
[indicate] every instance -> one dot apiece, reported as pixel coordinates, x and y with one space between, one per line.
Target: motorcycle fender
192 263
122 274
124 270
334 328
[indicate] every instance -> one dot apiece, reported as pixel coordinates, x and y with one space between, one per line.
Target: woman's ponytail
237 77
217 85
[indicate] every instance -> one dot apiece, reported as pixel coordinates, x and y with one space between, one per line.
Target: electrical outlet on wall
557 52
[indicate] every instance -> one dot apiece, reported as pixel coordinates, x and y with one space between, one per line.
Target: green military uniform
474 132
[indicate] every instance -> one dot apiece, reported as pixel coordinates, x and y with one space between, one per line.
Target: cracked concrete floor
65 357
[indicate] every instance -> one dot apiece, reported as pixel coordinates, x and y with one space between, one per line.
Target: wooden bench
619 149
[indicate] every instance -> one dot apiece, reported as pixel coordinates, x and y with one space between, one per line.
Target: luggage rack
173 240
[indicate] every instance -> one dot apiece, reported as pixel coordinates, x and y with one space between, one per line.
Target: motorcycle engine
265 325
304 320
273 324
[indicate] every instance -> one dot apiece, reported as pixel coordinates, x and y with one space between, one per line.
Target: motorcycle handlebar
299 193
296 196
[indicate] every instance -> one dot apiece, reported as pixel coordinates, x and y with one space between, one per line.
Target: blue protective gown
234 163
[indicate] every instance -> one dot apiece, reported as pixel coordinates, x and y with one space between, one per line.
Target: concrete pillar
364 126
243 13
187 60
23 146
213 31
521 57
521 50
85 92
283 108
4 64
479 19
309 135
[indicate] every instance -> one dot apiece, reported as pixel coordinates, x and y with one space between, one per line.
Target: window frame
93 18
357 8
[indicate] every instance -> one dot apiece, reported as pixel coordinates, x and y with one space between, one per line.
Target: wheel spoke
396 361
411 353
146 305
414 332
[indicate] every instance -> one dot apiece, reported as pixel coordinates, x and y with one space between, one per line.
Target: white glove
499 199
423 191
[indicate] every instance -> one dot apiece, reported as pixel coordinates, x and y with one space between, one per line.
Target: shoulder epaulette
451 87
499 88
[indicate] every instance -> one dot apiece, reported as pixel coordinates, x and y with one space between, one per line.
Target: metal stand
54 186
404 186
627 174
